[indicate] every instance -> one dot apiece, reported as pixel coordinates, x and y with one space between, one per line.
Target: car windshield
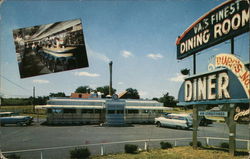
189 118
7 114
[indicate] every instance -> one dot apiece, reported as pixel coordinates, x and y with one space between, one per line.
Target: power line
14 83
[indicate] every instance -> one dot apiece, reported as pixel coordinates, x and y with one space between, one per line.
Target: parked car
10 118
205 122
165 113
180 121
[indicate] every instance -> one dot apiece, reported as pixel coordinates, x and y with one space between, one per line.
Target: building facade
99 110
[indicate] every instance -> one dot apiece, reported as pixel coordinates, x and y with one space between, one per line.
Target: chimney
110 82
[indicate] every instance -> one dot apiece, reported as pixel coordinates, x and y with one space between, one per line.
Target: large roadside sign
227 20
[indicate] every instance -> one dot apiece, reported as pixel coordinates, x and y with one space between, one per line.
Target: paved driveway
37 136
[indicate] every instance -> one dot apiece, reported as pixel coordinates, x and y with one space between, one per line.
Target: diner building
109 111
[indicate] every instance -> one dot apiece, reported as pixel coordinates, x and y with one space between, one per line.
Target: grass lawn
185 152
23 110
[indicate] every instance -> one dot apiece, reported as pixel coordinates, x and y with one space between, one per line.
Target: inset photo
50 48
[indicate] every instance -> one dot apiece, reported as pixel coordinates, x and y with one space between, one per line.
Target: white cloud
143 93
120 83
86 74
126 54
40 81
178 78
215 49
97 55
93 86
155 56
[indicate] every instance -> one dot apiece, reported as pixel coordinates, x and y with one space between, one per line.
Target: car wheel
28 123
20 124
205 124
178 127
158 124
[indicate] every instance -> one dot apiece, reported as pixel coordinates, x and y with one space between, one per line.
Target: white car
180 121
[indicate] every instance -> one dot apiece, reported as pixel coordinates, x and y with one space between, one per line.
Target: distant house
122 95
84 95
126 95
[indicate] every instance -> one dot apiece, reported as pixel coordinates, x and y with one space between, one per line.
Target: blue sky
138 36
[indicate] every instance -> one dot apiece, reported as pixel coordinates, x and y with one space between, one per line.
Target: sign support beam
232 45
194 64
196 121
195 125
232 127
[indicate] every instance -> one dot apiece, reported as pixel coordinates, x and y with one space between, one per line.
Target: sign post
232 127
196 121
195 125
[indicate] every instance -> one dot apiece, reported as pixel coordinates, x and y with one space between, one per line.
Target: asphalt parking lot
40 137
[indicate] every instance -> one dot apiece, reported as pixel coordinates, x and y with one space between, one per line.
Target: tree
168 100
105 90
59 94
83 89
132 93
41 100
156 99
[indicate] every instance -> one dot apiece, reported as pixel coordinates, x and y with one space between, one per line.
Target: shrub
224 145
166 145
198 143
129 148
13 156
80 153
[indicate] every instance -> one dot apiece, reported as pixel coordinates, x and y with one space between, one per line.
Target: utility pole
0 101
33 99
110 82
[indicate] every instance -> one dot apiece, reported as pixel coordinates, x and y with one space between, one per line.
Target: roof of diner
100 107
101 100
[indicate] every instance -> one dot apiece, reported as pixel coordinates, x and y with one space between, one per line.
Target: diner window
69 110
87 111
49 110
97 111
111 111
133 111
56 110
120 112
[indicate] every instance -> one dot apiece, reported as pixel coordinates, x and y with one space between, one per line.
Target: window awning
146 108
69 106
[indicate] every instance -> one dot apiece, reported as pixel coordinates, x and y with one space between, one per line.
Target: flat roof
69 106
101 99
100 107
146 108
